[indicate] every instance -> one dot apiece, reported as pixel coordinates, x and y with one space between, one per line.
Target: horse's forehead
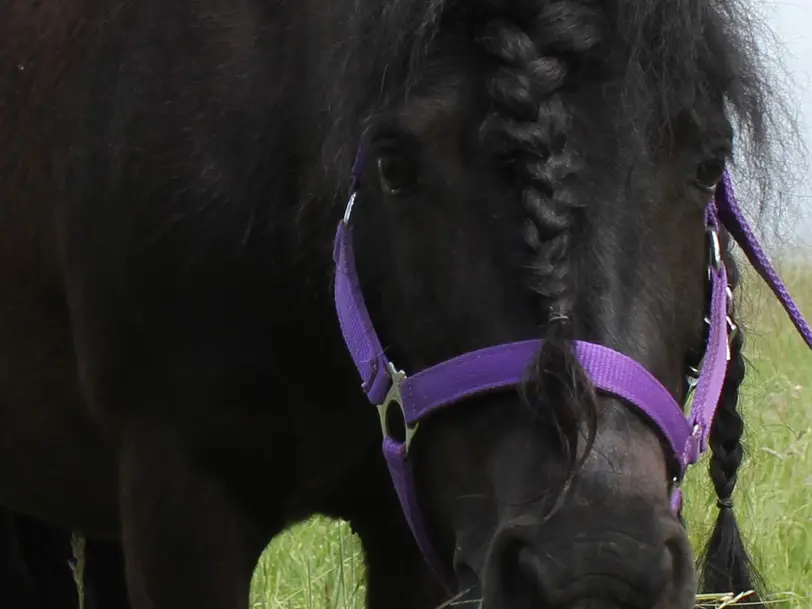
435 112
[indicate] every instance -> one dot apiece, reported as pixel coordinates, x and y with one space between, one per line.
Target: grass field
318 564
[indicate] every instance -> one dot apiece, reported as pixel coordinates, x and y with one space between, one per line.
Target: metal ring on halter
394 396
348 211
692 379
715 248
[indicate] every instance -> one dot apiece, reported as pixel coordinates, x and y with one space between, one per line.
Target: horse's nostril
678 563
528 567
516 578
513 575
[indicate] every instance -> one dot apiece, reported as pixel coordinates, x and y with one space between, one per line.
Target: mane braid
528 128
725 563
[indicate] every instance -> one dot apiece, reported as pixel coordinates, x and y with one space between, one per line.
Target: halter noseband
504 367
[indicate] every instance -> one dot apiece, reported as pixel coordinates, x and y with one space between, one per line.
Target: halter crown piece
504 367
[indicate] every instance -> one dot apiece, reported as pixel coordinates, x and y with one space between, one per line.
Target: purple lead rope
504 367
732 218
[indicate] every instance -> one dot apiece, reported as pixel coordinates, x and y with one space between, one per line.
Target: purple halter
503 367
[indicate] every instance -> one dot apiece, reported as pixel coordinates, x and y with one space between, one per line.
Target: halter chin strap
504 367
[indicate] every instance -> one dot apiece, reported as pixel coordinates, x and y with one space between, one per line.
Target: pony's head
541 169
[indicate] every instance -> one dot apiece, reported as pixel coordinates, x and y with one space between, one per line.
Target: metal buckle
715 248
348 210
716 263
692 378
695 444
731 327
676 496
394 396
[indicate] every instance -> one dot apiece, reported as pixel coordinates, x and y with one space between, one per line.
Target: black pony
172 371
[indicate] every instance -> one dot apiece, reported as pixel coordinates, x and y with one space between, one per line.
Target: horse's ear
725 563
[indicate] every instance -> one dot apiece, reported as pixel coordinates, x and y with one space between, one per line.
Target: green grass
318 564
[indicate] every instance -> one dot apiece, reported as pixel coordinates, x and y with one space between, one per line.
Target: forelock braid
726 565
528 128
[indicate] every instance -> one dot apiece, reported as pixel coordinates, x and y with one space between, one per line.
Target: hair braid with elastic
726 565
528 128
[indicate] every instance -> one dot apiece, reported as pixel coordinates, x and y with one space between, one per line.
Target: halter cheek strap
505 367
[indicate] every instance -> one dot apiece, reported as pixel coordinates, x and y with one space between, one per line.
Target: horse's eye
396 171
708 174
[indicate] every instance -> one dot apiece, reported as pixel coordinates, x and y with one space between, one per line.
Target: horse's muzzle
603 565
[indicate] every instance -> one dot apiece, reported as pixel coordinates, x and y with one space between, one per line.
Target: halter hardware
395 397
715 247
